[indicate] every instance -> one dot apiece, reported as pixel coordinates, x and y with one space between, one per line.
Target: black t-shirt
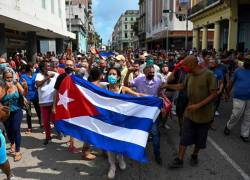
59 80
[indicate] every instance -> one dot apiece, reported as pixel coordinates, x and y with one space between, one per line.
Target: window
126 19
132 34
44 4
132 26
132 19
80 5
76 16
52 6
126 26
126 35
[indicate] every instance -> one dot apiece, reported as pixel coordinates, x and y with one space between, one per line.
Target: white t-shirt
46 91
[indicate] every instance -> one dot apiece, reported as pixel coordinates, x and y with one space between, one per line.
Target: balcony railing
202 5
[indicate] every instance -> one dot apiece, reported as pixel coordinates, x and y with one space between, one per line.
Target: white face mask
240 63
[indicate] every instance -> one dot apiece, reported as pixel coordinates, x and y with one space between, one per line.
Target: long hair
118 74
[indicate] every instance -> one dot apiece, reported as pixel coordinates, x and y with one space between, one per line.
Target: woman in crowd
13 124
45 81
32 96
4 114
113 78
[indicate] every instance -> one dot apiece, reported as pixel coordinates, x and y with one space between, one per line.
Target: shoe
217 113
173 113
177 163
88 157
46 141
11 177
167 126
111 173
158 160
226 131
59 136
213 126
28 131
17 157
194 160
122 163
244 139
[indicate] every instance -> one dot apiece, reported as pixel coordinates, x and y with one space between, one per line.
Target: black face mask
150 76
69 70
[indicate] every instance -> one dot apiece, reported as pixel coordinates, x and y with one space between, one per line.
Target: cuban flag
114 122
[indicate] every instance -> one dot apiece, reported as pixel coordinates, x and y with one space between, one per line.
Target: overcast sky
106 14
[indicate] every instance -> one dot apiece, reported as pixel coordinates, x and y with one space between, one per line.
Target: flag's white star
64 99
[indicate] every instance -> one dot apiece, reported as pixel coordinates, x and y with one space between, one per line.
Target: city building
142 24
228 18
24 23
91 29
77 22
169 29
123 36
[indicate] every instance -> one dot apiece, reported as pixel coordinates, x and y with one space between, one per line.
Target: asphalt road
226 158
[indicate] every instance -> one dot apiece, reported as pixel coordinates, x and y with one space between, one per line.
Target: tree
97 40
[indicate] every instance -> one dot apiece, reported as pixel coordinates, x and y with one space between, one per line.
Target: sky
106 14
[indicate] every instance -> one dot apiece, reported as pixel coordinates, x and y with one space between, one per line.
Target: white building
159 25
24 23
77 22
123 36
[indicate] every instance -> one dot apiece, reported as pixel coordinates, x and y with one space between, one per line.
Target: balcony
202 6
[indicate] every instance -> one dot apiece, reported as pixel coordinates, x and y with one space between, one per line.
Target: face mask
8 80
117 65
3 66
69 70
112 79
240 63
150 77
186 69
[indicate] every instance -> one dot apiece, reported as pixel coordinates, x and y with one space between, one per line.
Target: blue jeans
156 138
13 128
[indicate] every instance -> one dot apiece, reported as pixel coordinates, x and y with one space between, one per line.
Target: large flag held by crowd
114 122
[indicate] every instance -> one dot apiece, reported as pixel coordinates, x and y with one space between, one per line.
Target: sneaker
217 113
173 113
166 126
122 163
111 173
244 139
226 131
11 177
194 160
177 163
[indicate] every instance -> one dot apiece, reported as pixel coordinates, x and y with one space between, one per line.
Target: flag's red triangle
79 106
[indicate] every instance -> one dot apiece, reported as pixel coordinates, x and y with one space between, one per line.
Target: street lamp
165 18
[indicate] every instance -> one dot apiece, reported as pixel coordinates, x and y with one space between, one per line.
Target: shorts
194 133
3 155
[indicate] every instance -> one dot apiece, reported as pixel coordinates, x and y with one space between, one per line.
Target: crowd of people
193 81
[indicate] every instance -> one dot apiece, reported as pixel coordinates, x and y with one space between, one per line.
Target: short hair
137 62
94 74
8 70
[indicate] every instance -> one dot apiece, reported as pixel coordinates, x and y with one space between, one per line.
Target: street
226 158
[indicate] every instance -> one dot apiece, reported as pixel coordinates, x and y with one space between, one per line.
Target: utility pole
167 11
